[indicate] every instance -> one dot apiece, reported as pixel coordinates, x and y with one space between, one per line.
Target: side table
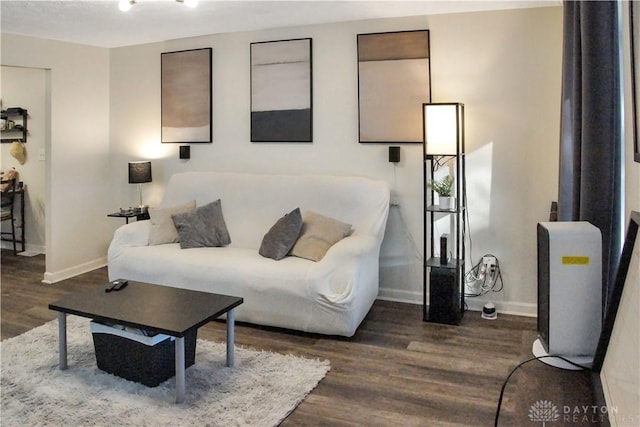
127 215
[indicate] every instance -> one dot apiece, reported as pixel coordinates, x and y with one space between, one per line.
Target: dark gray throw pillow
203 227
282 236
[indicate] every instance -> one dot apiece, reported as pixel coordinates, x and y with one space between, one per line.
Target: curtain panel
591 138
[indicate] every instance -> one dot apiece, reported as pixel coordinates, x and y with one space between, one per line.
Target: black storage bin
146 360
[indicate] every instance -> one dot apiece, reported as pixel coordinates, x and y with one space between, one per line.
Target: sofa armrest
350 268
351 247
133 234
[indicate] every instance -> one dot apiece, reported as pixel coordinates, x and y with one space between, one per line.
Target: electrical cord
440 161
464 234
416 252
506 381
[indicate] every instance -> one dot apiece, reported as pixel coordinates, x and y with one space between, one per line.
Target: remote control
120 285
116 285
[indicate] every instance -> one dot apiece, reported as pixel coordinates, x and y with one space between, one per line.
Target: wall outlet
488 260
489 265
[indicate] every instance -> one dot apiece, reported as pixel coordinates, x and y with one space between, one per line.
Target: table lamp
139 173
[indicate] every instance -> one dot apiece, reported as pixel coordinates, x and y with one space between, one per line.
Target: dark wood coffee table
162 309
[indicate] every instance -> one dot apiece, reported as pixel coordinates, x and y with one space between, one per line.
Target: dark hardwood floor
396 370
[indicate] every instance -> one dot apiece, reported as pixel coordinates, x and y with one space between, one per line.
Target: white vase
446 202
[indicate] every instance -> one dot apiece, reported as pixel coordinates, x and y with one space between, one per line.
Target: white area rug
261 390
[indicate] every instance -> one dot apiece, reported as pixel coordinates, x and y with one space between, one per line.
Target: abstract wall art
393 83
186 96
281 91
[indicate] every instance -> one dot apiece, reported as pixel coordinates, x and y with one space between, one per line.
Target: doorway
28 88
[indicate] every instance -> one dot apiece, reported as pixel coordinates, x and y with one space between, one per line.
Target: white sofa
331 296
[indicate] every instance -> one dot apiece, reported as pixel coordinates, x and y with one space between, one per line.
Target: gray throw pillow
280 238
203 227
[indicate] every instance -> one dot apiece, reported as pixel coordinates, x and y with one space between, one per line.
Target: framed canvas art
393 83
186 96
281 91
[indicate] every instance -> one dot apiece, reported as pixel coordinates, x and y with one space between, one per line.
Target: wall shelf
434 262
437 208
15 117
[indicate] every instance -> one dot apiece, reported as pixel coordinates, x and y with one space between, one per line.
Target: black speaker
394 154
444 250
185 152
444 297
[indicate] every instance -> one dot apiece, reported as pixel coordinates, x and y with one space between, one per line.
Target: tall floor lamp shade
443 128
139 173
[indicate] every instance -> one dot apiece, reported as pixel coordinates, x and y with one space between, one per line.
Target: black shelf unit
19 130
443 284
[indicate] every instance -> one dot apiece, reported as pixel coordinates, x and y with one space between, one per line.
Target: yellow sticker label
575 260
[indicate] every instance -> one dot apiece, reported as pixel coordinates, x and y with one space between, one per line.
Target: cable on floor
506 381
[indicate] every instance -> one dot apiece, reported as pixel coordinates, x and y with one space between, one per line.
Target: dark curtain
591 145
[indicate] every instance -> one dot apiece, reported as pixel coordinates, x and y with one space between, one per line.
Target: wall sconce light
185 152
443 128
125 5
139 173
394 154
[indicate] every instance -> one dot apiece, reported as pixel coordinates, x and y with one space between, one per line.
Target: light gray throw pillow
279 240
162 229
204 227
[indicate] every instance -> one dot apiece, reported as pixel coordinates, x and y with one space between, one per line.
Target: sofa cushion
279 240
318 234
162 228
203 227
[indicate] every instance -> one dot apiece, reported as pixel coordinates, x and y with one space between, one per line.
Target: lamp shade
139 172
443 128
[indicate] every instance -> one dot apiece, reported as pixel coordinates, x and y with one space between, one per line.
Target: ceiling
101 23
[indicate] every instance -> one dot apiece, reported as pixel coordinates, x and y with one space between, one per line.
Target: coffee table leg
180 374
62 339
230 337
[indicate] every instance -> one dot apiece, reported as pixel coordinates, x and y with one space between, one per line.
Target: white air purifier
569 292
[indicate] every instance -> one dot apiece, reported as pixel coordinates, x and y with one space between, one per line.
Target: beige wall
106 109
508 74
77 184
500 64
26 88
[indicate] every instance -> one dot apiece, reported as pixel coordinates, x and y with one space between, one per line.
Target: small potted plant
444 188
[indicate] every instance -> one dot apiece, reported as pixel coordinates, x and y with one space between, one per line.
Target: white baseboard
67 273
504 307
399 295
474 304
